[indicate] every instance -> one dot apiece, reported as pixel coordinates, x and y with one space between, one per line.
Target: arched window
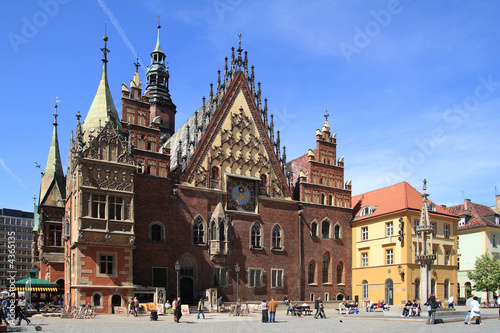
337 232
330 200
446 288
222 232
255 239
364 289
417 288
213 232
433 287
325 268
198 231
325 229
322 199
312 269
468 290
156 232
276 237
96 299
314 229
340 272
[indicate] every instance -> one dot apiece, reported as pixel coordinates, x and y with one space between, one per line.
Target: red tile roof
476 214
397 197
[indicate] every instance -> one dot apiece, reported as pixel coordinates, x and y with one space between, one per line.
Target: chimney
467 204
498 203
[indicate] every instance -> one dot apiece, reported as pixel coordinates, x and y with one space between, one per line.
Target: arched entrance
389 292
187 293
116 300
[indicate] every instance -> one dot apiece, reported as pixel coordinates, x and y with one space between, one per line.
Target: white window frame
364 289
364 233
255 277
389 257
277 278
446 231
389 229
364 259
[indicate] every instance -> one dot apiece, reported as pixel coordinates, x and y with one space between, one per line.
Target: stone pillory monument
211 208
424 254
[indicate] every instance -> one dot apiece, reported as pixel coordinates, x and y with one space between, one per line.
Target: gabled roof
394 198
475 215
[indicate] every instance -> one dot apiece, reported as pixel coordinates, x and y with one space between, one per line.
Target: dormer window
431 207
497 219
367 210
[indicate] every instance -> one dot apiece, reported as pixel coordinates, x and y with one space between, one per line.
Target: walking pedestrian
451 302
431 309
272 310
219 304
316 306
201 310
475 312
469 307
131 308
263 305
19 308
177 311
321 309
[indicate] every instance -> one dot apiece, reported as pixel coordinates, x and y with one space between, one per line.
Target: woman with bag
475 312
431 309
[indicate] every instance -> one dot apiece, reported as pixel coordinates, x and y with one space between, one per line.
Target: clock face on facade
240 194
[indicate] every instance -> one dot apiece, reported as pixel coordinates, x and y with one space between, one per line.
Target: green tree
486 274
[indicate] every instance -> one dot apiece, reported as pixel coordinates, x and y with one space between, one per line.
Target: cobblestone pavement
364 322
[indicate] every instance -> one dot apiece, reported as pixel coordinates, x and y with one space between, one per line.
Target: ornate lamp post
177 269
237 269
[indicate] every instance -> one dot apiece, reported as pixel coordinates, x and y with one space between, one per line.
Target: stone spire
53 181
103 101
425 255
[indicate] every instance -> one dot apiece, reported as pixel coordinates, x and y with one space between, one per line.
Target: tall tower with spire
158 91
98 227
51 212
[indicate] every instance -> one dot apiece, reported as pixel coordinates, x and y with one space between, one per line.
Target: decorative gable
236 143
109 147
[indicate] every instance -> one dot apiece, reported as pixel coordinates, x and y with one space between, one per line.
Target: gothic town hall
210 208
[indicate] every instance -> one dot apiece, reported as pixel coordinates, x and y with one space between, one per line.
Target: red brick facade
173 191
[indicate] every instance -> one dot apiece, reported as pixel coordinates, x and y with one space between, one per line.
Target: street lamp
237 269
177 269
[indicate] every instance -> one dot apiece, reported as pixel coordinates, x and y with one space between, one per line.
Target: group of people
269 310
411 309
381 304
19 310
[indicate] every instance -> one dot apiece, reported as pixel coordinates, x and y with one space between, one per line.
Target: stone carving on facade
111 178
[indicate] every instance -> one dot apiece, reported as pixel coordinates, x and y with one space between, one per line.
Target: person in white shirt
451 302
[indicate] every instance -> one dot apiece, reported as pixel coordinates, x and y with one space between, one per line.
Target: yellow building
383 266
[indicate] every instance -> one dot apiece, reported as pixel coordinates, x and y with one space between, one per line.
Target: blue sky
412 87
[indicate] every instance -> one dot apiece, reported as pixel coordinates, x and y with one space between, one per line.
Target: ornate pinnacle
137 64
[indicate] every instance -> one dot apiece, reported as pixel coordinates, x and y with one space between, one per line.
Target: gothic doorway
116 300
389 292
187 291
